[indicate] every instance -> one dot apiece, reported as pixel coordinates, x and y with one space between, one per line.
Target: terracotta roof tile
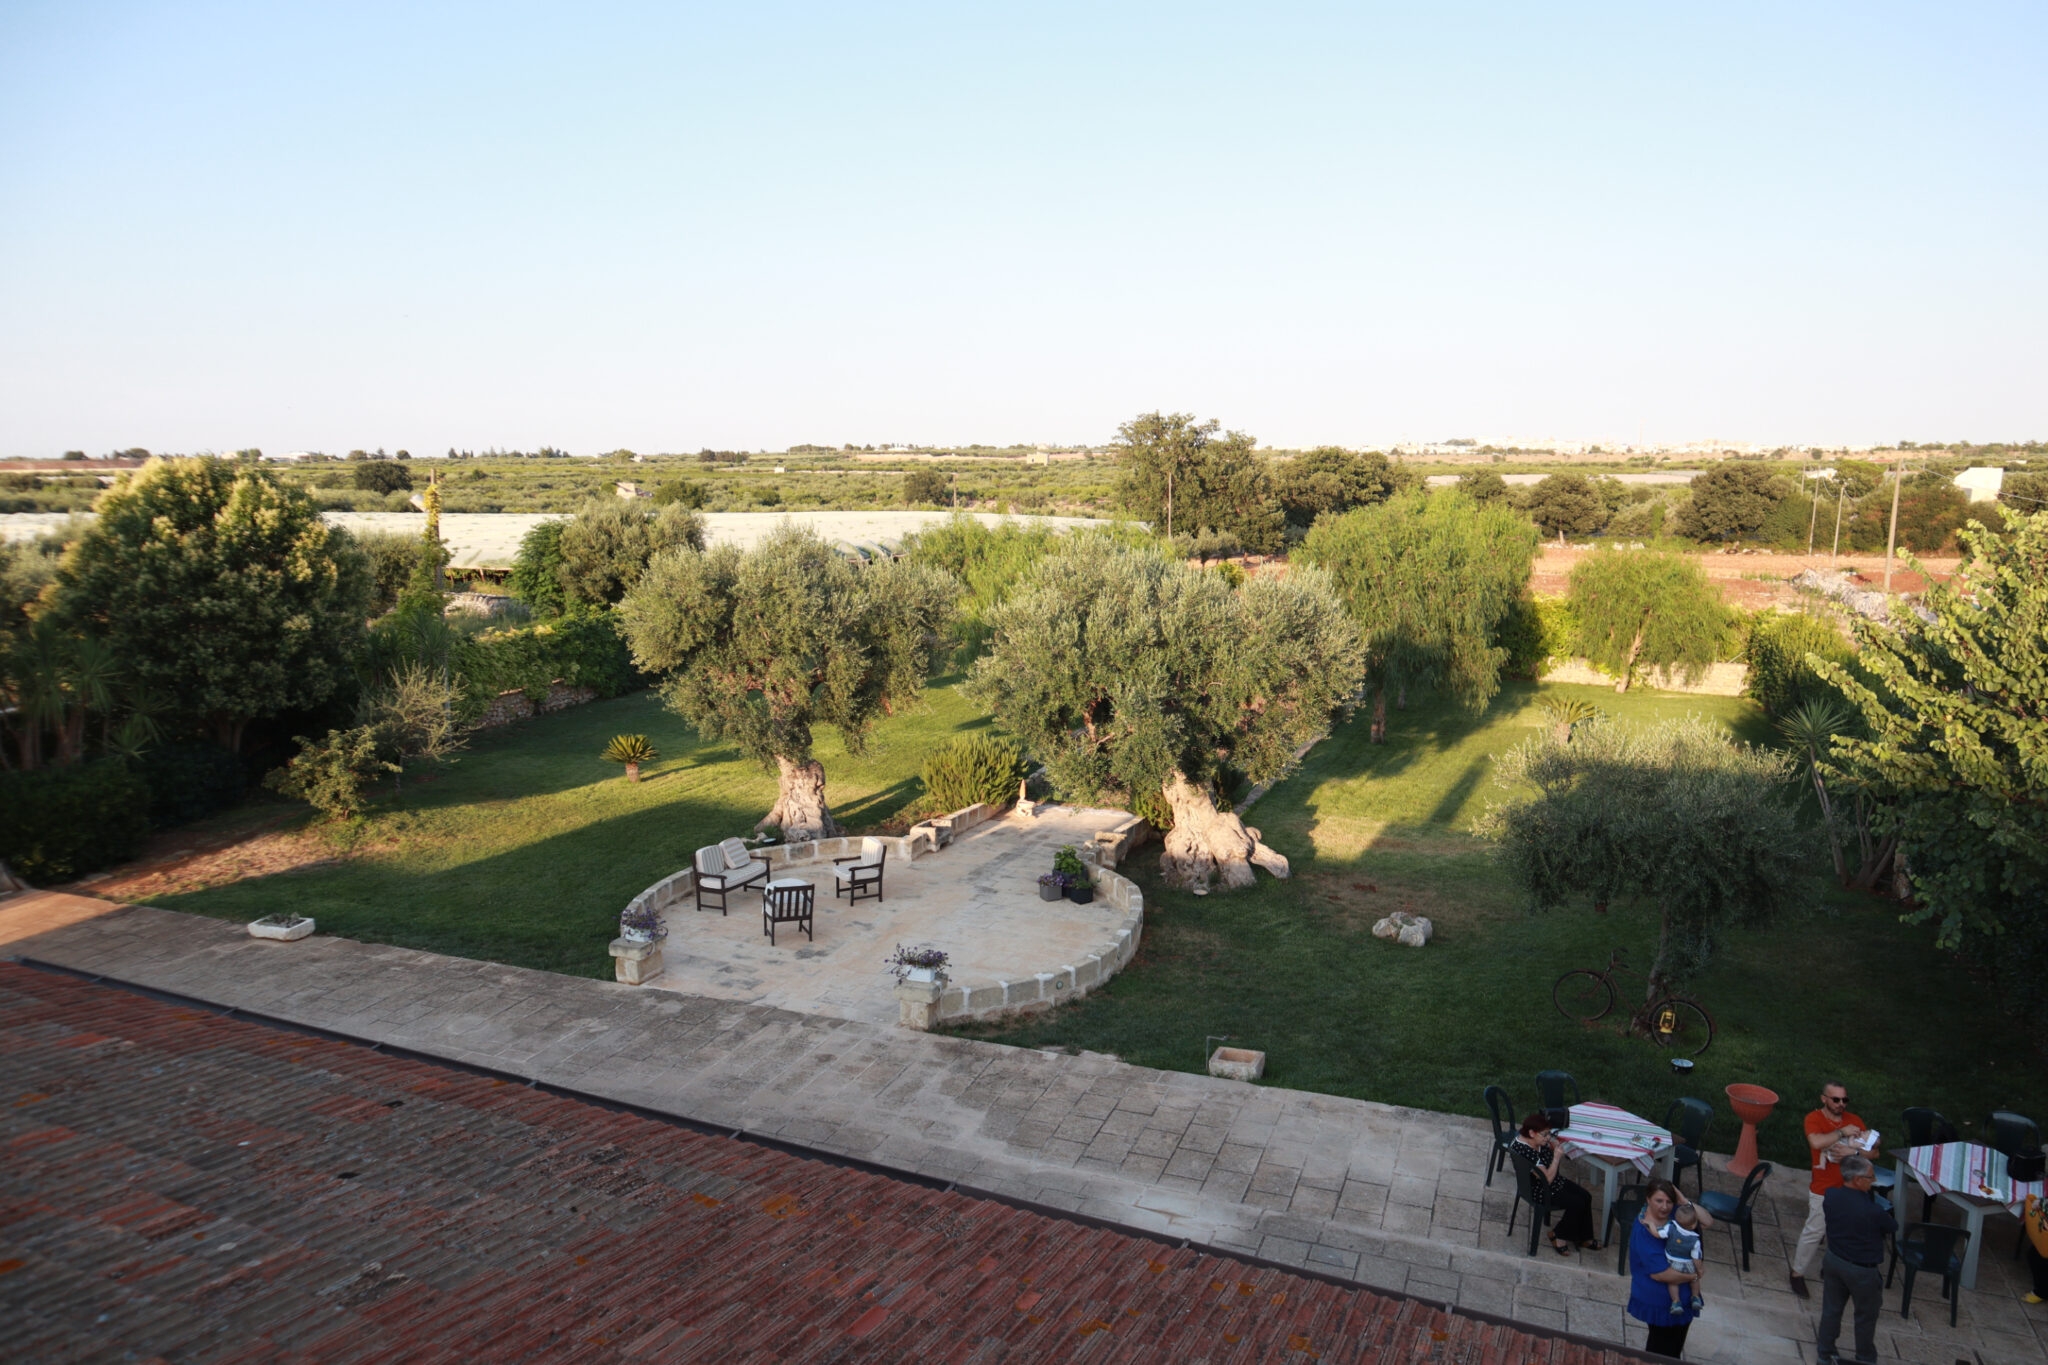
177 1183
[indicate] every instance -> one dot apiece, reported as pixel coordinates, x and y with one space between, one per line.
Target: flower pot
632 772
636 935
1050 892
1081 895
925 974
1752 1104
283 933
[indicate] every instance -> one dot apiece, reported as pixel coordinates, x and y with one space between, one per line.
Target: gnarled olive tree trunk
1206 843
800 810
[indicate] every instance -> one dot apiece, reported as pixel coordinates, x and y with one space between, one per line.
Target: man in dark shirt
1850 1270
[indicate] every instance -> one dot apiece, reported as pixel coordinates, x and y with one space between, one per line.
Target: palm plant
1811 726
1567 713
631 750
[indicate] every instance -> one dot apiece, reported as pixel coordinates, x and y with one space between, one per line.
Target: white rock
1415 934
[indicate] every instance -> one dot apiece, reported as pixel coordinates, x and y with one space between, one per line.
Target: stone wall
1720 680
516 705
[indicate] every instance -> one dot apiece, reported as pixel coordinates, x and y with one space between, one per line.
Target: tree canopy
1731 499
1429 577
1180 476
1640 609
1568 505
536 577
1130 674
607 546
219 590
1676 813
759 647
1331 480
383 476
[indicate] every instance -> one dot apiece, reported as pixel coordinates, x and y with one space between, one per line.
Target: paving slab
992 1118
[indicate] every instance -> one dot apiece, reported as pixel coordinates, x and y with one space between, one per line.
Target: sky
673 226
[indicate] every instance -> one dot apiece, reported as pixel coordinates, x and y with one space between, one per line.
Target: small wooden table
788 900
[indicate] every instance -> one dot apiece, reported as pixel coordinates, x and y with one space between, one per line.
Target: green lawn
1291 967
526 849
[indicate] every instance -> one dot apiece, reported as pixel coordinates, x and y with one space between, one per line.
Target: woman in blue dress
1651 1275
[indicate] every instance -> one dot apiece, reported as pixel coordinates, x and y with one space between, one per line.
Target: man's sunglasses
1836 1099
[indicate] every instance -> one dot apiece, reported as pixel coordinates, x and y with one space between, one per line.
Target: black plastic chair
2013 1133
1925 1127
1687 1121
1525 1193
1504 1128
1739 1211
1938 1251
1621 1217
1551 1089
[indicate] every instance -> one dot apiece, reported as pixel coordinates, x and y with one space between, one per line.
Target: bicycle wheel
1584 995
1681 1025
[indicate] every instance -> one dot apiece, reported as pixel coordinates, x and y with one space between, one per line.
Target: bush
60 823
1535 631
393 558
582 650
330 775
1779 676
536 576
188 782
972 769
924 485
382 476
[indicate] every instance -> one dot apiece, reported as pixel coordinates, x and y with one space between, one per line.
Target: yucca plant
631 750
1567 713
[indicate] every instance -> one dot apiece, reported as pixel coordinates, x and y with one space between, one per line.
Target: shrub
189 781
60 823
631 750
382 476
970 770
582 650
1779 676
924 485
330 775
1537 630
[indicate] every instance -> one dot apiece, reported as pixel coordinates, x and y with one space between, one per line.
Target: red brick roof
179 1185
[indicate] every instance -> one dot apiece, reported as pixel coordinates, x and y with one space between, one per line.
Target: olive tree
1429 577
1184 478
1132 674
1568 505
1330 480
1641 609
219 590
759 647
1676 813
607 546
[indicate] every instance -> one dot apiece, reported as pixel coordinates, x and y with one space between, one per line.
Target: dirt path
1750 580
215 853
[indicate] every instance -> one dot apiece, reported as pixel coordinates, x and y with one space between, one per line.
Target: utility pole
1841 493
1812 522
1891 539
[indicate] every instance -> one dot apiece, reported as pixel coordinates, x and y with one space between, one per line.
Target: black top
1539 1156
1856 1225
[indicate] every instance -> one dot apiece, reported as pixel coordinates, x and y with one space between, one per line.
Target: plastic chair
1504 1129
1938 1251
1525 1193
1739 1211
2012 1133
1687 1121
1551 1088
1924 1128
1626 1208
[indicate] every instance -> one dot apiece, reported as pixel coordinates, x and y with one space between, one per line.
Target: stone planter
635 935
283 933
923 975
1237 1064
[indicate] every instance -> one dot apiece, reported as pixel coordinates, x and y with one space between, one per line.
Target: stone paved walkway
977 898
1389 1197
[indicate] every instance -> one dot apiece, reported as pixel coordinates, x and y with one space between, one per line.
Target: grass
1291 968
525 850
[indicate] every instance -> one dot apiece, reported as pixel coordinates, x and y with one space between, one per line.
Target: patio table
1974 1179
1613 1139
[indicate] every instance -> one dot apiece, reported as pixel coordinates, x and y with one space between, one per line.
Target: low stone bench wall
1067 981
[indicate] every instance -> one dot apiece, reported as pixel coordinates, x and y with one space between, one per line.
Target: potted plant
923 962
642 924
1080 887
286 928
631 750
1052 886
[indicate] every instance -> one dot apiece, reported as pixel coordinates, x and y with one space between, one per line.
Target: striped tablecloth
1969 1169
1603 1132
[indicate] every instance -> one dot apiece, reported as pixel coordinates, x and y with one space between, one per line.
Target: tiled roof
179 1185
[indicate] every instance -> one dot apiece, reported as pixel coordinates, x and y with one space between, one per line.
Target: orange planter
1752 1104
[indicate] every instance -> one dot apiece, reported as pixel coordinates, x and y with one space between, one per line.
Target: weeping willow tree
1676 814
1132 674
1429 577
1640 609
758 647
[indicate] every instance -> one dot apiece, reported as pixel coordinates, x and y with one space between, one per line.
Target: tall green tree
1330 481
219 590
1132 674
536 577
1640 609
1676 813
1429 577
1732 499
1183 478
608 545
1955 742
1568 505
758 648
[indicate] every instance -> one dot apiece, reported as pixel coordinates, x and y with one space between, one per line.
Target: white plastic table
1615 1140
1974 1179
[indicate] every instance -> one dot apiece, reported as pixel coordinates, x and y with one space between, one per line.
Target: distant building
1981 483
293 457
628 489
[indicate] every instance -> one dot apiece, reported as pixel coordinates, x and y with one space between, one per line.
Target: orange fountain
1752 1104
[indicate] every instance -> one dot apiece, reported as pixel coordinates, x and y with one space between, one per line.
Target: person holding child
1660 1293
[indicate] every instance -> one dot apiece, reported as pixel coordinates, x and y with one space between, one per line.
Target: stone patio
977 898
1387 1197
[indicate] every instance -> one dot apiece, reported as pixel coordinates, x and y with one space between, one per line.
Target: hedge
1779 676
582 650
61 823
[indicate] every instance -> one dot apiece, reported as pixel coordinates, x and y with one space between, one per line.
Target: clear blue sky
747 225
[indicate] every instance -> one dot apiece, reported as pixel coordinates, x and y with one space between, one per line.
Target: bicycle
1587 994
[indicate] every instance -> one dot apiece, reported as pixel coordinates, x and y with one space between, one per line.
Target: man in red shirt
1832 1132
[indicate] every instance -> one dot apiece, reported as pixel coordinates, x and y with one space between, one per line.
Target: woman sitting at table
1573 1204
